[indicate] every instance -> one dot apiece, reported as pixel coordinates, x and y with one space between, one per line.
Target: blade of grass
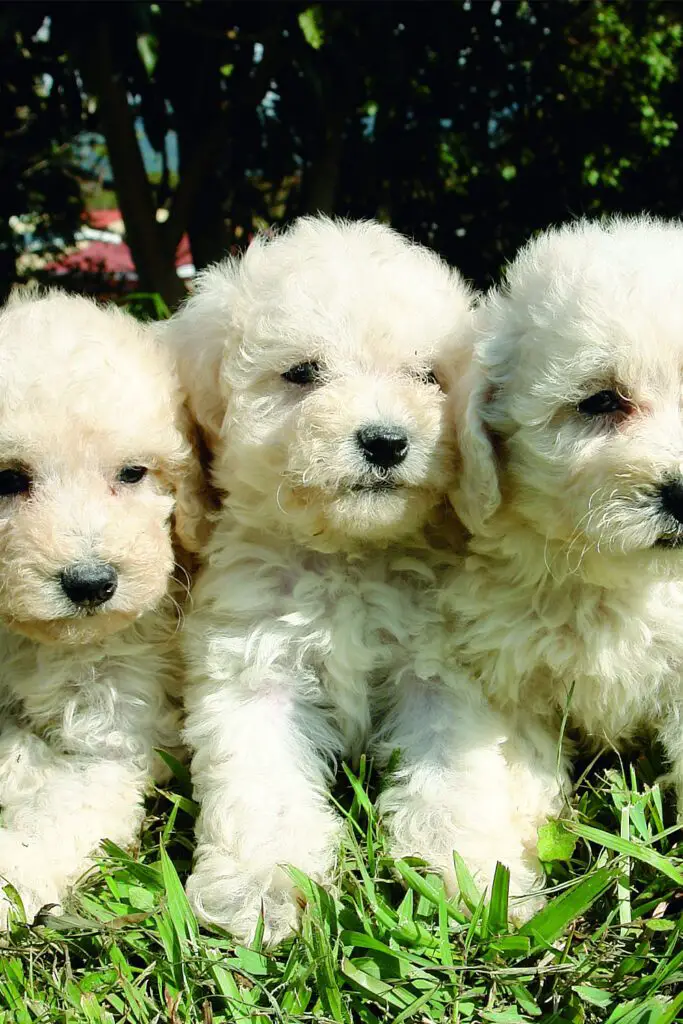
184 921
550 922
381 990
498 903
623 885
468 889
628 848
423 888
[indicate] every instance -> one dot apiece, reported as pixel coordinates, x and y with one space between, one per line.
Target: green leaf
549 923
671 1012
17 911
647 1011
444 937
594 996
475 928
361 798
511 1016
656 924
374 986
310 23
358 940
406 910
555 842
250 961
421 886
629 848
526 1000
236 998
176 924
512 945
469 892
141 898
148 48
180 771
498 904
184 921
150 876
417 1004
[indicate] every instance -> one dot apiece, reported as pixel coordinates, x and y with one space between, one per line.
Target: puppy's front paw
226 893
27 869
525 878
523 905
419 829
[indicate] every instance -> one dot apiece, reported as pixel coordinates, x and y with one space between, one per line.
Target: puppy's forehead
598 299
347 299
69 371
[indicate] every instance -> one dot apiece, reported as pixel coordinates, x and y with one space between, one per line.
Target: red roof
183 254
101 219
96 258
109 258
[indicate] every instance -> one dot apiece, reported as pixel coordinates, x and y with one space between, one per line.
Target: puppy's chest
38 683
361 616
65 691
615 665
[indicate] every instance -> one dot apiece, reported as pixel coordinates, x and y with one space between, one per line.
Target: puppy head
318 363
572 407
93 463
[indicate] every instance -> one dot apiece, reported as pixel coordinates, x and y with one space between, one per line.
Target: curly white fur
86 694
313 592
572 594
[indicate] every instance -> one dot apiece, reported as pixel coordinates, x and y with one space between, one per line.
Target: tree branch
201 160
154 258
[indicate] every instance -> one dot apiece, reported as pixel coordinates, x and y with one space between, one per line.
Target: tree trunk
152 250
8 269
322 176
208 235
203 126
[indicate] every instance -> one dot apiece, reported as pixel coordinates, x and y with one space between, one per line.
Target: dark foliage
468 125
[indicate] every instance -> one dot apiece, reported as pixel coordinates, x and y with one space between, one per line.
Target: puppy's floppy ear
198 336
194 497
476 495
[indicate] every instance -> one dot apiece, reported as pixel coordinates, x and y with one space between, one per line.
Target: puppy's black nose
671 497
89 585
383 446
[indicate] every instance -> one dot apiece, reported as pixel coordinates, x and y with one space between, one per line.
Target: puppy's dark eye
131 474
303 373
14 481
603 403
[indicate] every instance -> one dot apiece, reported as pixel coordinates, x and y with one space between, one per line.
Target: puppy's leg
671 736
260 771
57 809
467 782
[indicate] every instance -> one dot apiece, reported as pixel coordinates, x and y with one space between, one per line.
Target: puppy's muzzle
89 585
671 497
383 447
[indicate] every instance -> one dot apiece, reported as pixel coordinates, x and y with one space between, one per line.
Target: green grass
386 946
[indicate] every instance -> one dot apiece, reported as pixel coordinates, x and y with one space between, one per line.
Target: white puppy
94 464
315 364
572 437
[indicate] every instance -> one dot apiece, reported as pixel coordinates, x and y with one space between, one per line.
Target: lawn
386 946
